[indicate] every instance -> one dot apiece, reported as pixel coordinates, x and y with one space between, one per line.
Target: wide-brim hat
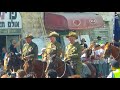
98 37
29 36
53 34
72 34
83 40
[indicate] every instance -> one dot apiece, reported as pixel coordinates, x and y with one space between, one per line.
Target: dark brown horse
14 62
59 66
62 68
36 67
110 49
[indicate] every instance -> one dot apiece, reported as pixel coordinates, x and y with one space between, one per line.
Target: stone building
105 32
32 22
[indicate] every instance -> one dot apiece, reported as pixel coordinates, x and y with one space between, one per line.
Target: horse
61 67
111 50
14 62
36 68
62 70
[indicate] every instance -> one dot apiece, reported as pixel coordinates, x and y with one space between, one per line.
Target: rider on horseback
29 50
53 47
73 53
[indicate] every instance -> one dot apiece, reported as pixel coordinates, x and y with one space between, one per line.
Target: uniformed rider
73 52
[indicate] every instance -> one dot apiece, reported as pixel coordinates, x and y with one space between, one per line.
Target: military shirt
100 42
30 50
56 47
73 51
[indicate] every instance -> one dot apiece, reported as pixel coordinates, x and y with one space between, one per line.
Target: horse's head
53 62
108 50
56 64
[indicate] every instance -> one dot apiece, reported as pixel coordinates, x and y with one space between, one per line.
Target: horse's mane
111 44
88 52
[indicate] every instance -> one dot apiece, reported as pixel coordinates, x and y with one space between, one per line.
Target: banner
116 29
10 20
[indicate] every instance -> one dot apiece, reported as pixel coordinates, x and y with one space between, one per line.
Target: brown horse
59 66
110 49
62 68
36 67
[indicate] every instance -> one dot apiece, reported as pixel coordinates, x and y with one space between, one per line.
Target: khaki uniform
30 50
54 48
73 53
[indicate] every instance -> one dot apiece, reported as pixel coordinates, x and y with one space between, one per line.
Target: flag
116 28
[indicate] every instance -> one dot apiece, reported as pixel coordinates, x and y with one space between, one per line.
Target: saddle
71 66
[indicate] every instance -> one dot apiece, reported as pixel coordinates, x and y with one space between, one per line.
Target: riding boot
70 70
47 66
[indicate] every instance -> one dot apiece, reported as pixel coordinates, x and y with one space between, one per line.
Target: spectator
83 43
115 73
100 41
5 76
4 54
20 73
13 47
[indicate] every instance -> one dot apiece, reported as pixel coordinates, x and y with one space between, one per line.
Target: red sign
93 21
72 21
76 22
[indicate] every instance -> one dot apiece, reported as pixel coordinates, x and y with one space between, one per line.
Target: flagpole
114 27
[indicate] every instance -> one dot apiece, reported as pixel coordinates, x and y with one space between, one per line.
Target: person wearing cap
83 43
53 47
100 41
73 53
30 49
115 73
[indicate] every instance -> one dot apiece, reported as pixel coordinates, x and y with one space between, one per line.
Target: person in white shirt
99 60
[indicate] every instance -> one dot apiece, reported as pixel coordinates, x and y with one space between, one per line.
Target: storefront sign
10 20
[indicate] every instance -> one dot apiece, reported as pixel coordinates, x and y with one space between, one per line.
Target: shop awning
72 21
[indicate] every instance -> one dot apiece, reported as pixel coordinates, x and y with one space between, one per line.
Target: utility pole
44 34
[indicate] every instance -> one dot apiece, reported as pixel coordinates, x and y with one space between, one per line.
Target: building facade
10 28
15 25
105 32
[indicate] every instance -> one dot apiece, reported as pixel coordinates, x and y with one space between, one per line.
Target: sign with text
10 20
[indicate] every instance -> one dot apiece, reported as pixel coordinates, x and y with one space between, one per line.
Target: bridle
53 62
118 54
110 52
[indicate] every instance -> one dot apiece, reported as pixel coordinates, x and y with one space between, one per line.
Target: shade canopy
72 21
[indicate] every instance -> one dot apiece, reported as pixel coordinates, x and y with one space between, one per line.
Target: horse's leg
70 70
